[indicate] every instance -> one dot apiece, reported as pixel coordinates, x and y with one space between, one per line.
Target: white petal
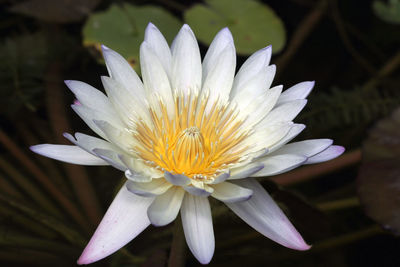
186 62
230 193
154 76
138 171
285 112
70 154
220 42
198 228
120 70
250 67
89 96
295 130
177 179
129 107
328 154
137 177
246 171
259 107
165 207
218 82
264 215
221 178
124 220
117 136
298 91
266 138
89 143
255 87
157 42
277 164
306 148
154 188
110 157
198 191
88 115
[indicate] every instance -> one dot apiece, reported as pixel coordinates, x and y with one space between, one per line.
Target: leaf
254 25
389 12
378 182
60 11
122 29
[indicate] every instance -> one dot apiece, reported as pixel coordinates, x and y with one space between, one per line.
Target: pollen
195 141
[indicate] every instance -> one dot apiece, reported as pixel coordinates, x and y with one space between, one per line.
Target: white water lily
186 131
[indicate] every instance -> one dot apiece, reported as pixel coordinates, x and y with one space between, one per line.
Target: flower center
193 142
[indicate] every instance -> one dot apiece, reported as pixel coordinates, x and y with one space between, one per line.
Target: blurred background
348 209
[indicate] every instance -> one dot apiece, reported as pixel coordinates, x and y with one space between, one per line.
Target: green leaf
389 12
122 29
254 25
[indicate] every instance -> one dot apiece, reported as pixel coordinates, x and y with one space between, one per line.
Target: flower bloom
186 131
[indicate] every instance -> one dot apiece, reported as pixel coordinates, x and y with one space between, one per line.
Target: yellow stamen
193 142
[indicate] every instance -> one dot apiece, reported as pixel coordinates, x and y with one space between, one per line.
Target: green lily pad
389 12
378 182
254 25
122 29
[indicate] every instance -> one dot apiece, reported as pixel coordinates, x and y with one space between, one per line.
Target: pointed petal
117 136
295 130
246 171
230 193
306 148
165 207
198 191
186 62
129 107
70 154
155 78
110 157
259 107
89 96
89 143
263 214
222 177
124 220
298 91
138 171
148 189
277 164
218 82
88 115
250 67
198 228
328 154
220 42
177 179
157 42
285 112
137 177
120 70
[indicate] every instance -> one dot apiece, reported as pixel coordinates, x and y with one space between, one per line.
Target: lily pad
254 25
389 12
378 181
122 29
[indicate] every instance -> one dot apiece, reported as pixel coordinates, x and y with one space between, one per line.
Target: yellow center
194 142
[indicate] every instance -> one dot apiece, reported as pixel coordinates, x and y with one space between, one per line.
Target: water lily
189 130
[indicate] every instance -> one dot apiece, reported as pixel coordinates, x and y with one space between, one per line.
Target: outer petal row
124 220
263 214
